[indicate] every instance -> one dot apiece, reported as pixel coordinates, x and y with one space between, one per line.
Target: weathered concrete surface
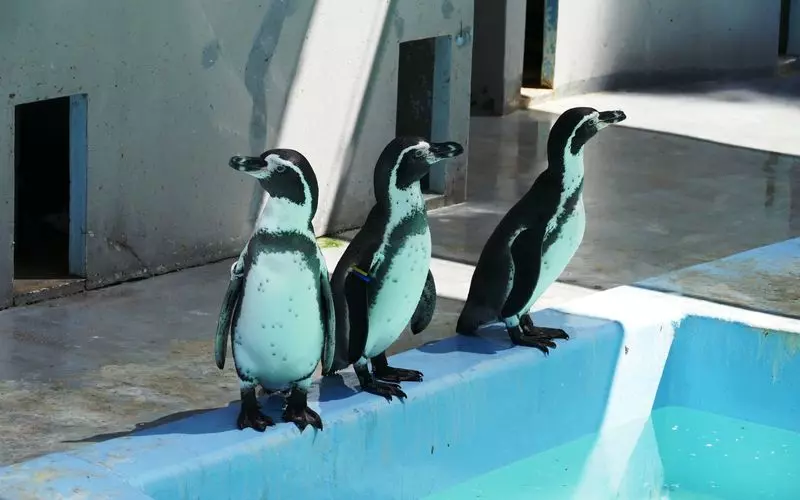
92 366
751 113
763 279
602 43
172 97
655 202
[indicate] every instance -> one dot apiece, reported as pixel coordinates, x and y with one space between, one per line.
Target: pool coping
104 470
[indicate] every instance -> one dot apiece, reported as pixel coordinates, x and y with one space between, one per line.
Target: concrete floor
758 113
93 366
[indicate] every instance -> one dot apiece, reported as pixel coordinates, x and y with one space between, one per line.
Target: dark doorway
534 44
783 34
415 91
42 189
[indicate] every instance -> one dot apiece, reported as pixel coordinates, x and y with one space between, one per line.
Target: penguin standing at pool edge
536 239
383 279
278 308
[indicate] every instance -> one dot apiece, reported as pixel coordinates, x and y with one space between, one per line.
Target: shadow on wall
348 175
257 80
731 90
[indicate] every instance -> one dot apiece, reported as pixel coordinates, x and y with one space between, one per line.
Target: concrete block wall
601 43
174 89
793 46
590 45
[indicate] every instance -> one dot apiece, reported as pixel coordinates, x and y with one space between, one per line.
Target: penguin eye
280 168
418 153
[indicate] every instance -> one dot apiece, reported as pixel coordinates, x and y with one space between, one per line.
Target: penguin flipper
526 271
328 321
423 314
229 303
358 308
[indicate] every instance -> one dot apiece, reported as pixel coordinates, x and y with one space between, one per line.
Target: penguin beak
246 163
609 117
442 150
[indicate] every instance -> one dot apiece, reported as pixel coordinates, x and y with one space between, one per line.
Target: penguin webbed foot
382 371
298 412
250 414
385 389
372 385
396 375
529 335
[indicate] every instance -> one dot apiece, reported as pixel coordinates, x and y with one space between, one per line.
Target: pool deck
621 340
663 210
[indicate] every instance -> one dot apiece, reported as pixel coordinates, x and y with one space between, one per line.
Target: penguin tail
473 317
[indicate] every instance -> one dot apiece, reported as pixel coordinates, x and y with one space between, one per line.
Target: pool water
678 453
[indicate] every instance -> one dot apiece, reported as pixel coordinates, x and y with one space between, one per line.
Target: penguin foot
549 333
253 418
302 417
382 371
250 413
372 385
390 374
536 336
298 412
385 389
518 337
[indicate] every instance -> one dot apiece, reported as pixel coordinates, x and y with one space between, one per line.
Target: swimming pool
625 409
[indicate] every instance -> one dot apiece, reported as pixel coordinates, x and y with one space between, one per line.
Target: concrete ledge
477 393
63 476
484 404
762 279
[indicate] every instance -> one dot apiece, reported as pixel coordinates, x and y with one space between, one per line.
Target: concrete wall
591 45
175 88
497 56
793 47
602 43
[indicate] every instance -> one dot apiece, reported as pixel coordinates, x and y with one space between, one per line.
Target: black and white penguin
383 280
537 238
278 307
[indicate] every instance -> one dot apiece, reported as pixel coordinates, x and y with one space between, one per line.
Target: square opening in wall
423 97
534 44
49 182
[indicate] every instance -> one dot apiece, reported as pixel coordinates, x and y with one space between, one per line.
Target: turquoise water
678 454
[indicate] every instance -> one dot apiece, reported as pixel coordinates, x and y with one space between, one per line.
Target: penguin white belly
399 294
558 255
278 336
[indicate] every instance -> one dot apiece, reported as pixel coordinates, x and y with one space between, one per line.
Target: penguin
382 283
537 237
278 307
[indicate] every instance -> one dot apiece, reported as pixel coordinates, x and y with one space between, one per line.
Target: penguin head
283 173
406 160
576 126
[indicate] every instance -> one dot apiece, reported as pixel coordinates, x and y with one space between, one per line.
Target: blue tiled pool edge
456 424
365 438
